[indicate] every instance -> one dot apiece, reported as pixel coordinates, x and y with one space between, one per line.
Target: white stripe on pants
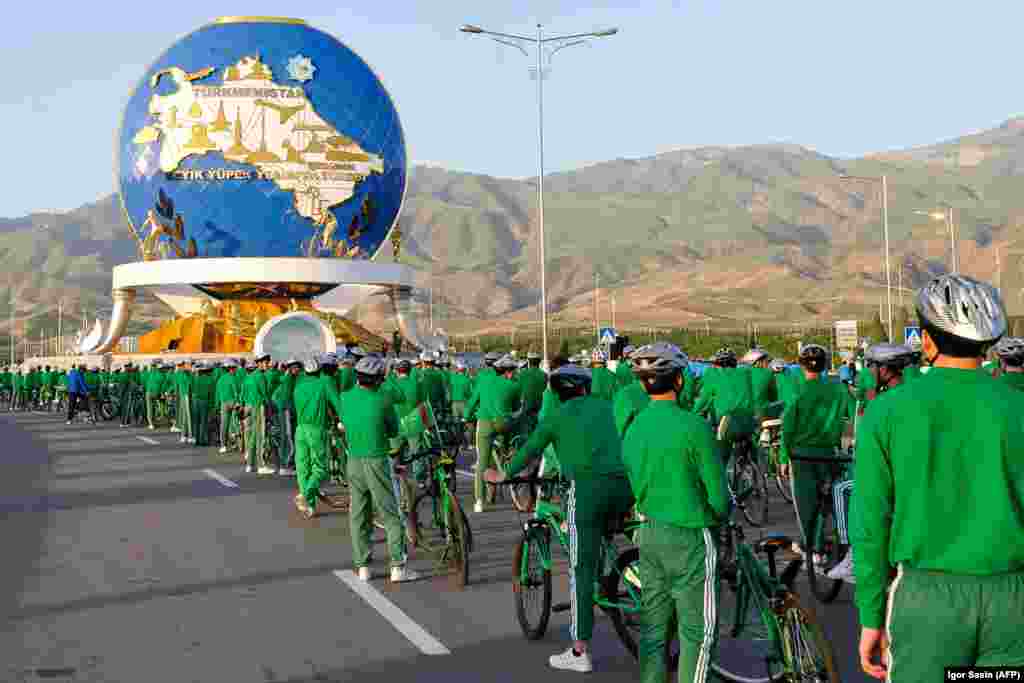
700 674
841 493
888 620
573 552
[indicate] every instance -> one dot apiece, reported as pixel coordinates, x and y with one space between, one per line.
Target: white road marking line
416 634
221 478
468 475
151 442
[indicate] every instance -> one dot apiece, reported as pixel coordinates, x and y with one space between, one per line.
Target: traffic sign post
912 337
607 337
846 334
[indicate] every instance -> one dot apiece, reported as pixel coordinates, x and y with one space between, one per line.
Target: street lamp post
945 215
552 44
885 230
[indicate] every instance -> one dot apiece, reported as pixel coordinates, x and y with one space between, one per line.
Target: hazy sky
842 78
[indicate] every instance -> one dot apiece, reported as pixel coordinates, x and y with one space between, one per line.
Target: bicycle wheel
824 589
457 551
108 410
623 588
749 487
808 653
746 651
531 585
524 496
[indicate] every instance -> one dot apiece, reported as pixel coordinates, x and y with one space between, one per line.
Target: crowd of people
931 514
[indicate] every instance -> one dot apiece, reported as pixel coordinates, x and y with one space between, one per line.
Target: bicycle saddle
772 543
770 424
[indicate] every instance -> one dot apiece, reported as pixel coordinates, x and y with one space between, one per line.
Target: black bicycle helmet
567 381
814 357
1011 351
724 356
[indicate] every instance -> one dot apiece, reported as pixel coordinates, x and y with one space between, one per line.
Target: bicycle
764 633
747 484
435 520
771 439
506 444
617 590
826 536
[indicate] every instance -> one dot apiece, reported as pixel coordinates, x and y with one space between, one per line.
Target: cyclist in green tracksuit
432 383
1010 351
256 396
153 385
311 396
630 400
204 389
548 405
812 427
461 387
762 385
605 383
940 485
495 404
888 363
532 383
227 397
677 474
727 395
346 372
590 455
407 393
624 371
284 413
370 424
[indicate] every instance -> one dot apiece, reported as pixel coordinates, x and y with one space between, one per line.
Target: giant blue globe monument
262 168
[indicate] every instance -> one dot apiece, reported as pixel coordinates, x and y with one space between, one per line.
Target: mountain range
724 236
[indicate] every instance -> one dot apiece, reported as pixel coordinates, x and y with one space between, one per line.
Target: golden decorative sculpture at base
231 327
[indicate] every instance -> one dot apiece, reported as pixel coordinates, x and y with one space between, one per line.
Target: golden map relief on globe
250 119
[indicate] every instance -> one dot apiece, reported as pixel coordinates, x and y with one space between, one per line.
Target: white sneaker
286 472
364 573
152 428
570 661
222 450
191 440
400 574
478 506
266 470
175 430
844 570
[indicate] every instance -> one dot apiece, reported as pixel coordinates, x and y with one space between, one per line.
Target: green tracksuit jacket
816 419
1013 379
762 384
624 374
940 483
603 383
495 398
725 391
532 382
461 387
628 403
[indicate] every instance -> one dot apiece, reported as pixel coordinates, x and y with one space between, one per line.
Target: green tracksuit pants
256 439
486 431
593 504
806 480
459 409
185 412
372 496
151 414
940 620
285 417
228 421
310 461
679 571
200 411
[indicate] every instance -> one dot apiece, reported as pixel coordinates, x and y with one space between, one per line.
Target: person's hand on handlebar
784 470
494 476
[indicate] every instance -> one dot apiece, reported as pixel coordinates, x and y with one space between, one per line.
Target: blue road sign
912 337
607 336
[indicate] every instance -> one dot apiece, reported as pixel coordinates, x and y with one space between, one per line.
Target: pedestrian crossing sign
912 337
607 336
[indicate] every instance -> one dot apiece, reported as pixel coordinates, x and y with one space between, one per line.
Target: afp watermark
985 673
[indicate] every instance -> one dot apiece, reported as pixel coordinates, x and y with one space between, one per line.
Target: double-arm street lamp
544 47
946 214
885 230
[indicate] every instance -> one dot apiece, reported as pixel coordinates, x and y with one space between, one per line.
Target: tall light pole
945 215
551 45
885 230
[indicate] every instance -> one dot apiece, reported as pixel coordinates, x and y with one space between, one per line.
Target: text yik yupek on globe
260 137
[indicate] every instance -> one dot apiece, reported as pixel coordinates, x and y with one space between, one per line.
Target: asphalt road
129 557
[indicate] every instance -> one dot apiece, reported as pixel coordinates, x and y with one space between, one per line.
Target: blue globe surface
260 139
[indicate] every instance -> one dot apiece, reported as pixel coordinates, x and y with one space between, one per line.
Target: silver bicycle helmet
1011 350
427 357
778 365
328 359
963 307
311 366
628 351
895 356
491 357
755 356
370 366
658 359
506 363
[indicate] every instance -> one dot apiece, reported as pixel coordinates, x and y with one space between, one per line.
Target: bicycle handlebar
409 459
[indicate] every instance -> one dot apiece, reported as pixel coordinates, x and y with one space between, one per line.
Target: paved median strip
221 478
146 439
414 633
